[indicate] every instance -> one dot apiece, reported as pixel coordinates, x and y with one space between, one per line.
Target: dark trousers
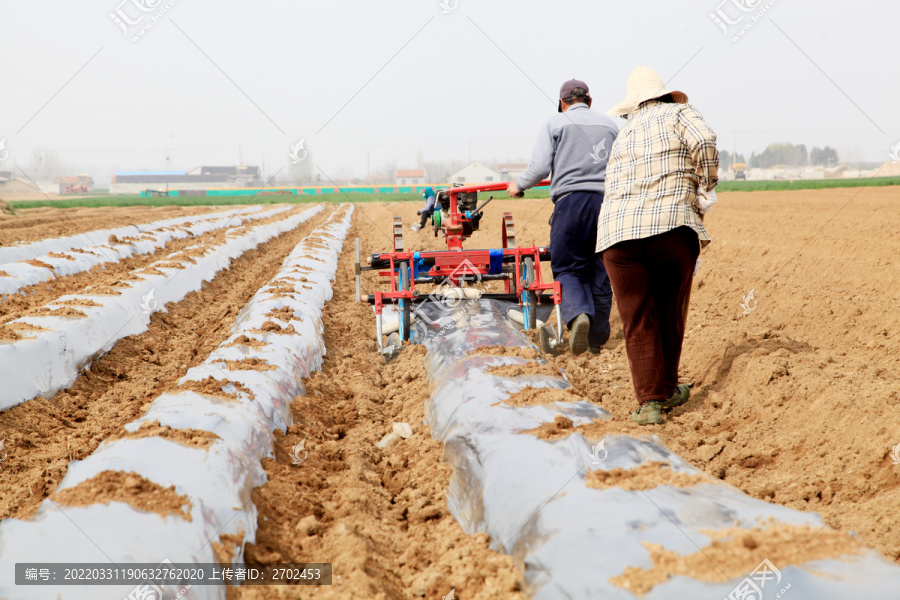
425 215
577 266
651 278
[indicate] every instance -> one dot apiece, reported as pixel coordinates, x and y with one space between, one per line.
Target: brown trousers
651 281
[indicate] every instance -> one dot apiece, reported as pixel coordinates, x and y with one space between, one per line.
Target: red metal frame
453 227
472 262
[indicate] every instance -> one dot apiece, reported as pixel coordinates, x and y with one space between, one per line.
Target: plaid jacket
663 154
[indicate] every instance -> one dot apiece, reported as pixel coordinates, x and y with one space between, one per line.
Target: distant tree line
783 154
827 157
726 159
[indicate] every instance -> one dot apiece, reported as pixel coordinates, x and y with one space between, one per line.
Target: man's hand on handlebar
514 191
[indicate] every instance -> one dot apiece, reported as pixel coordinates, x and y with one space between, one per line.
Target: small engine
466 203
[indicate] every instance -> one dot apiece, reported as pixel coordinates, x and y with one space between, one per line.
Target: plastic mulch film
100 237
67 258
530 495
50 359
217 480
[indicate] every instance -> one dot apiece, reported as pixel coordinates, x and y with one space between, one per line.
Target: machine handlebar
487 187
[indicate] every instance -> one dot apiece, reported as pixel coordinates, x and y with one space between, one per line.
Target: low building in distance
476 173
409 176
201 178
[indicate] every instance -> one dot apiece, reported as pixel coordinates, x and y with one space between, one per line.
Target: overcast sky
402 77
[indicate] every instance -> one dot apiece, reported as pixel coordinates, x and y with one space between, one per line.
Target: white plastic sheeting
218 480
530 494
83 258
29 250
43 362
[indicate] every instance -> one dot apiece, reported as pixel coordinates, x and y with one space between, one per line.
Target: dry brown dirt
105 277
130 488
794 402
734 551
379 516
32 224
705 431
44 435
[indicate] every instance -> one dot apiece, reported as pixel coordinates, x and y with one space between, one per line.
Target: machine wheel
548 341
529 298
398 234
405 305
509 241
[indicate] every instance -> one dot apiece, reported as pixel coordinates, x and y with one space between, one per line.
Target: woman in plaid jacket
661 177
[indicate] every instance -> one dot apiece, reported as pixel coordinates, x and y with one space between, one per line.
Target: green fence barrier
311 191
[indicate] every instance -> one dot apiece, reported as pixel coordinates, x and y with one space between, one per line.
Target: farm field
263 197
270 197
794 401
47 222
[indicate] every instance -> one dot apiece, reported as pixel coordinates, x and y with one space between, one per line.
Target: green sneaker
648 414
681 395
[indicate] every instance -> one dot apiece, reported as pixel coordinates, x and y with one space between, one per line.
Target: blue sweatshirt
428 194
574 146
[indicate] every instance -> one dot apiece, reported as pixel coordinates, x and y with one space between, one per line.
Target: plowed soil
794 400
102 277
32 224
44 435
354 401
379 516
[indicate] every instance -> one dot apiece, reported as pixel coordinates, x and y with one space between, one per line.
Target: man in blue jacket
428 194
574 145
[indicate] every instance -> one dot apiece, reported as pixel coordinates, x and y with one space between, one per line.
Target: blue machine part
496 262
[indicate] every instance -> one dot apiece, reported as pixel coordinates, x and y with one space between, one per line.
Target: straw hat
643 84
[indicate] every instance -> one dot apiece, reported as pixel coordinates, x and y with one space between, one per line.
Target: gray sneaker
578 334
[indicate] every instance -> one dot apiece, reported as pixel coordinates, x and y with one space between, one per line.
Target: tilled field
792 400
44 435
33 224
786 406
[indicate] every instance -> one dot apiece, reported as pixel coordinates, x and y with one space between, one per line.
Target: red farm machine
457 216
